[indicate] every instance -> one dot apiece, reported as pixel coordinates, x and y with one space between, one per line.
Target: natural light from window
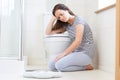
6 6
104 3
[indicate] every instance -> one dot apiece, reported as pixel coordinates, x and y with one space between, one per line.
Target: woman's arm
49 30
77 41
75 44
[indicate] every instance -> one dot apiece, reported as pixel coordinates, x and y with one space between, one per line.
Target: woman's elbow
49 33
78 42
46 33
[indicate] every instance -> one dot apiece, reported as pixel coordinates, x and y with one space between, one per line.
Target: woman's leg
74 62
51 63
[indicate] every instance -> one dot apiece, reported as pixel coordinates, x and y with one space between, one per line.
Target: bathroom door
117 73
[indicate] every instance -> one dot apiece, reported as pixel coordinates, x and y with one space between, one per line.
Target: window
104 3
10 29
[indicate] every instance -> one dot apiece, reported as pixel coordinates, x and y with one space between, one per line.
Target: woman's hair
59 24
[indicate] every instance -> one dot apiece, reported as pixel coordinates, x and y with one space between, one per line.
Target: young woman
78 56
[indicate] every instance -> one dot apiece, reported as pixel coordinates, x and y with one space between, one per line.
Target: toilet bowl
55 44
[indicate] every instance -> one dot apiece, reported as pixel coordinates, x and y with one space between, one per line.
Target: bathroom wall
105 36
33 31
104 3
50 4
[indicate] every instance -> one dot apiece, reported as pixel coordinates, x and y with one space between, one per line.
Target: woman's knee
51 66
59 66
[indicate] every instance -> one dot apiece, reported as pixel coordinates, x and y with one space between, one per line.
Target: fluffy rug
42 74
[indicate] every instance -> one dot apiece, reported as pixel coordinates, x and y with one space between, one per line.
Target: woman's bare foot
89 67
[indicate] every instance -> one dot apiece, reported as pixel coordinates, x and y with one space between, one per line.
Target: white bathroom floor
13 70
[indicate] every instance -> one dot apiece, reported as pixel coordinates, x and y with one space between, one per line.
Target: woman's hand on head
54 18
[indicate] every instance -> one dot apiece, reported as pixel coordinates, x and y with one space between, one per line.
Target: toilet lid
57 37
65 34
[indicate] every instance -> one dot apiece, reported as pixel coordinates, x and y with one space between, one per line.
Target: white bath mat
42 74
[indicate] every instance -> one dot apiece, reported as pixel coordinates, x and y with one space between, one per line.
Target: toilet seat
56 43
58 37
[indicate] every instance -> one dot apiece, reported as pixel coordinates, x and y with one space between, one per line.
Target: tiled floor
13 70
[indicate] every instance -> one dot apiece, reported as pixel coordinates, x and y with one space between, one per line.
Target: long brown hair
59 24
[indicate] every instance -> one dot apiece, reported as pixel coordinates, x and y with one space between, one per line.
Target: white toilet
57 43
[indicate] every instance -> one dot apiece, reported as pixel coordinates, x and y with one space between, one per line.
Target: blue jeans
75 61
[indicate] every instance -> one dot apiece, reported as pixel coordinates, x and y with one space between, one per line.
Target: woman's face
62 15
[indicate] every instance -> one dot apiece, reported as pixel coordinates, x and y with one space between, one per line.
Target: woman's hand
58 57
53 18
